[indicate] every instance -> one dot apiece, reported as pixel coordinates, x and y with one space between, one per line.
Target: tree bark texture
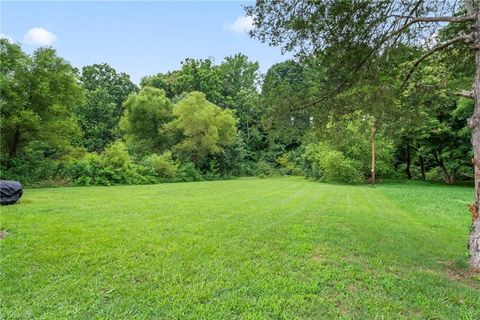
474 123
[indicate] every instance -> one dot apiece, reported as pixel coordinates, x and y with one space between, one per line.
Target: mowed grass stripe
248 248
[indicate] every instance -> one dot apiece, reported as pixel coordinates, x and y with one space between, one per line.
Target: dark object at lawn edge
10 192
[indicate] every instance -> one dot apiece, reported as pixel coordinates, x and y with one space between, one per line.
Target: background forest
217 120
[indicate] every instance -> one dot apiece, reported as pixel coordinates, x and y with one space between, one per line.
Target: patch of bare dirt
3 234
352 288
469 277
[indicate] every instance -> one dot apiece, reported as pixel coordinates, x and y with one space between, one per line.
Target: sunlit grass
248 248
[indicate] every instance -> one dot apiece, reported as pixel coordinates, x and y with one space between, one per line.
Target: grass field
248 248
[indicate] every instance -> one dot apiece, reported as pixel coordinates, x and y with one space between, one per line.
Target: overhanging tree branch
465 94
467 38
435 19
432 19
390 34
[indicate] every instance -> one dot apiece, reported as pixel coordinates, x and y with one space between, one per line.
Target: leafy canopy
205 128
38 95
145 119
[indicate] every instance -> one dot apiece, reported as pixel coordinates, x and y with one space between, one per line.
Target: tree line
64 126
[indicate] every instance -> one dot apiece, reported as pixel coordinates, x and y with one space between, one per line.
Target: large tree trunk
474 123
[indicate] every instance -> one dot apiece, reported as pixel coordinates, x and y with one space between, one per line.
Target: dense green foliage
98 116
324 162
205 128
246 248
38 95
38 126
213 121
354 59
162 165
144 122
354 98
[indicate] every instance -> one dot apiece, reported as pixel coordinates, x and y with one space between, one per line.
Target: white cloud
4 36
40 37
241 24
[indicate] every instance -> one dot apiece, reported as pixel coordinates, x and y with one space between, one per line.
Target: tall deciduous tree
117 84
164 81
37 99
97 118
105 88
355 31
437 138
199 75
286 84
195 75
240 80
233 84
205 128
144 122
238 73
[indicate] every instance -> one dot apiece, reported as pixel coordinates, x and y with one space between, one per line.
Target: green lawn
248 248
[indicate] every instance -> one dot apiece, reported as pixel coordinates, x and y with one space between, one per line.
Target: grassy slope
248 248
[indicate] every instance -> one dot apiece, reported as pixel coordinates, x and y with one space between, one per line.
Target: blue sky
139 38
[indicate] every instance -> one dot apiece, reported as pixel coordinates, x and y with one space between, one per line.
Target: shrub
113 166
264 169
82 171
434 174
188 172
116 156
312 159
88 170
287 166
162 166
37 163
117 166
336 167
247 169
213 171
324 163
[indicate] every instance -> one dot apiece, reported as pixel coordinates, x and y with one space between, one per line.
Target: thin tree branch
467 38
431 19
465 94
396 34
436 19
389 36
